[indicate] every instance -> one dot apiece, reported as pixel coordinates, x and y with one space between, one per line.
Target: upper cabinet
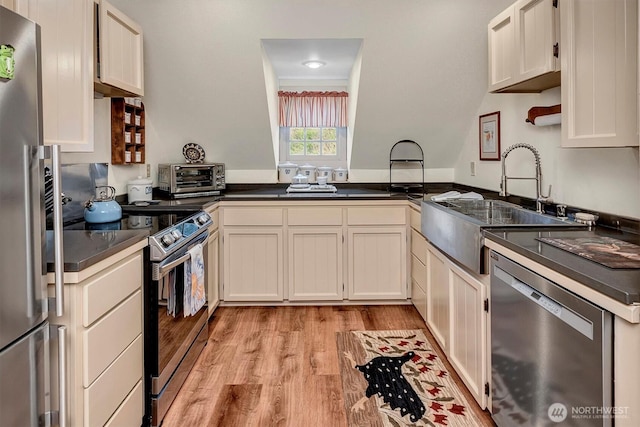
9 4
119 66
599 73
66 34
523 47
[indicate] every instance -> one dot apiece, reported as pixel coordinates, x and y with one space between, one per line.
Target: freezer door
23 389
22 269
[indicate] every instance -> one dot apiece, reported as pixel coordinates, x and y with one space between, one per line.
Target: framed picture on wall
490 136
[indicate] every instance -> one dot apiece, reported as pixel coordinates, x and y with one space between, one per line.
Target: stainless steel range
173 339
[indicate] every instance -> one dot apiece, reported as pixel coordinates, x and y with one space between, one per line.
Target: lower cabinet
253 264
457 319
438 296
315 264
377 262
103 316
213 271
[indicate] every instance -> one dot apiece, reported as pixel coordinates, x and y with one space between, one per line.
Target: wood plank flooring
278 366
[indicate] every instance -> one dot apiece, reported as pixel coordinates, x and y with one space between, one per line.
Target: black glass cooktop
150 221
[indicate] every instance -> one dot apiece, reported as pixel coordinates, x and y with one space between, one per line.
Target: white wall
604 180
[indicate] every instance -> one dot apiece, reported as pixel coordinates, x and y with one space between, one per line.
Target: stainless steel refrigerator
32 352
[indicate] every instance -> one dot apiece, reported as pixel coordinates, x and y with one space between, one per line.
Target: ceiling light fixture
314 64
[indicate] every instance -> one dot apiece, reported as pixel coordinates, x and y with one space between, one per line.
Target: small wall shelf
127 131
406 151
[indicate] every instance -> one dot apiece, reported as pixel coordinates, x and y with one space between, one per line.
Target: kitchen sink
455 226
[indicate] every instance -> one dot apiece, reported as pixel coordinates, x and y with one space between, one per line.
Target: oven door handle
164 269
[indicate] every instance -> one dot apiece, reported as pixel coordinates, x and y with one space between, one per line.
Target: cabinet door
377 263
67 69
599 80
467 349
438 297
213 297
253 264
9 4
121 60
501 50
535 33
315 264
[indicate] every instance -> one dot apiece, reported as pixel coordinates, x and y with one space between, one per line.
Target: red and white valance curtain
309 109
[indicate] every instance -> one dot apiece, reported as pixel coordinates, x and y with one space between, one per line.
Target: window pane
313 134
296 134
313 148
296 148
329 134
329 149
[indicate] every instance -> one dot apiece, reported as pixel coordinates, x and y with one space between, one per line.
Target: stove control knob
167 239
202 219
176 234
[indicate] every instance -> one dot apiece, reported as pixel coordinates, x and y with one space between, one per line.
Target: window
322 146
313 127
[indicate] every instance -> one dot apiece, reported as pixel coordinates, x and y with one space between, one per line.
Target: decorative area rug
396 378
610 252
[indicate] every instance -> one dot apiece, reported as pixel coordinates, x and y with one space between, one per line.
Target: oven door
175 340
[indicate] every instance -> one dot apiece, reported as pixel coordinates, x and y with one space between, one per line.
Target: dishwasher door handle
562 312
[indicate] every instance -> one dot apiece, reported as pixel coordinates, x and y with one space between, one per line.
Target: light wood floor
278 366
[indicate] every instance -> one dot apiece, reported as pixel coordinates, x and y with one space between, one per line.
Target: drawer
419 272
419 246
377 215
252 216
314 216
131 411
105 340
107 289
110 390
414 218
419 299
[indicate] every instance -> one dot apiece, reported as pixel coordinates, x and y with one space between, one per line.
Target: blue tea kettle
104 208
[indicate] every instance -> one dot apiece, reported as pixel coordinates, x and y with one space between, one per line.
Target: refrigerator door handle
53 151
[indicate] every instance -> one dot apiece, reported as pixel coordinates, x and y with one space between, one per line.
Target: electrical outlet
472 168
148 171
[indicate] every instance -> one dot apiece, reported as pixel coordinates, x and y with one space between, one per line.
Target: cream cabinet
9 4
457 318
599 73
377 253
418 264
67 69
438 296
315 256
119 65
103 315
213 264
524 47
253 253
468 350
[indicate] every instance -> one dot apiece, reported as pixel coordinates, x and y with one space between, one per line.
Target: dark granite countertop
620 284
85 248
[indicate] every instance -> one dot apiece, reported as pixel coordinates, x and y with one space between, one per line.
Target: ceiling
287 55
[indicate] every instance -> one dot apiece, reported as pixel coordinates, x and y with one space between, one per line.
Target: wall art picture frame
489 138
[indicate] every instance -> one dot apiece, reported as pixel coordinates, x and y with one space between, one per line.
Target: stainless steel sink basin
455 226
493 213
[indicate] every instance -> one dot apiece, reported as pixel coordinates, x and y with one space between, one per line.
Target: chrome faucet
540 199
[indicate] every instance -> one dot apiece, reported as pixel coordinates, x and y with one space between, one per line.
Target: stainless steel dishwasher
551 352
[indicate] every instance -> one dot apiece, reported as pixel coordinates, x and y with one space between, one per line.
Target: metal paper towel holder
535 112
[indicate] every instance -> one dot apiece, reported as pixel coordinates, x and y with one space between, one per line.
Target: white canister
286 171
326 171
309 171
139 190
340 175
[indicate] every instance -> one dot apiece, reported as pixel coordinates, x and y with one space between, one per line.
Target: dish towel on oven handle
194 292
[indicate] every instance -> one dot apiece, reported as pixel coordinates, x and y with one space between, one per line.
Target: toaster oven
191 179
